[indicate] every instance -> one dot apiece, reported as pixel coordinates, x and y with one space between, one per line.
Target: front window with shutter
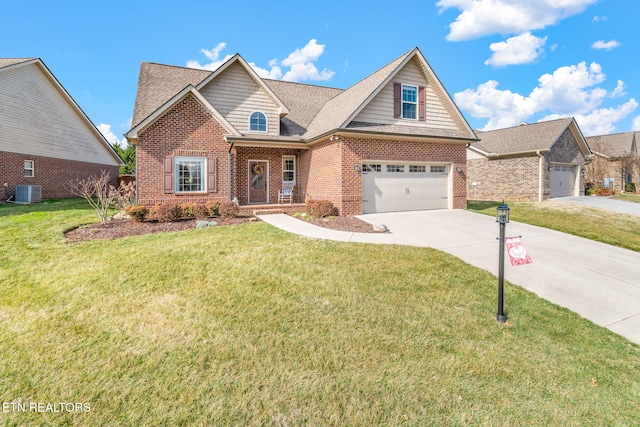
190 174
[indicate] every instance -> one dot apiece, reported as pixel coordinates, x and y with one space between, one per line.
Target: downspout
540 165
229 170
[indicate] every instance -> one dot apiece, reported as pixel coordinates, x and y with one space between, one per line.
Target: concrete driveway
598 281
601 203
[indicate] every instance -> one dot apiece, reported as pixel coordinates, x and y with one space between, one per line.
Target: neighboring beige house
529 162
46 140
616 161
394 141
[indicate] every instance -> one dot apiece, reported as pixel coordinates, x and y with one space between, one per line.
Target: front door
258 186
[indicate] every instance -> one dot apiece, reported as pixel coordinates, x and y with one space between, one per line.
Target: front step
267 211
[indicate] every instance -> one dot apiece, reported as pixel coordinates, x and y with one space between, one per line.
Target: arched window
257 122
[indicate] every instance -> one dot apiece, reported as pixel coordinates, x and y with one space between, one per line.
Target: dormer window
257 122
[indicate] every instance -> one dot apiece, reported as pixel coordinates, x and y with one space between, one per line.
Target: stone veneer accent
51 173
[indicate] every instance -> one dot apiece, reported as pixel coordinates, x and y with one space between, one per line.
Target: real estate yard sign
517 253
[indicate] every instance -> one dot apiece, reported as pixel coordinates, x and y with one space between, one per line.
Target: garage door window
438 169
395 168
417 168
371 168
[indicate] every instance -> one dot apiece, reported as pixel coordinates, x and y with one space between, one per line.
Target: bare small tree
97 192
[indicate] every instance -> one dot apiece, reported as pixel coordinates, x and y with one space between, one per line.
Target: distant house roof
308 111
527 138
5 62
614 145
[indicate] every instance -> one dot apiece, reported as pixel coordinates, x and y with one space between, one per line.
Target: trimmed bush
188 209
213 208
630 188
168 213
319 208
137 213
228 210
606 192
200 211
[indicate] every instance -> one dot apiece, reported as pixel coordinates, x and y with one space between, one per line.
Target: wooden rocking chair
286 194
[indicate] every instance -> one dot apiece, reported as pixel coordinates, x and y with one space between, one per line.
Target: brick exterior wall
187 129
344 188
509 179
517 178
323 172
51 173
273 156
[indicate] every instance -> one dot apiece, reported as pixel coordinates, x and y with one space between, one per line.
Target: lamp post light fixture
502 217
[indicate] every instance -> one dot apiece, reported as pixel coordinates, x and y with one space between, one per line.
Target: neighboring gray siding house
45 138
616 162
529 162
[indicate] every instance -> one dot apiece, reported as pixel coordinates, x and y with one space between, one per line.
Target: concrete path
598 281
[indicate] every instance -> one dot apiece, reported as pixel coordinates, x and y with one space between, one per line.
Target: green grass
616 229
250 325
627 197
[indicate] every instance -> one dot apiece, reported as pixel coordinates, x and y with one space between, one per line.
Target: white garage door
563 180
393 187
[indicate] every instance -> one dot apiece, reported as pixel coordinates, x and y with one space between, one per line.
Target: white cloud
105 130
479 18
568 91
300 63
601 44
599 18
214 57
600 121
521 49
636 124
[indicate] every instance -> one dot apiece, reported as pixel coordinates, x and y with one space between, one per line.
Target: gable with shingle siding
380 109
236 95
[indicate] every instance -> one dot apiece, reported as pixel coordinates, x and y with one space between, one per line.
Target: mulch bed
116 228
127 227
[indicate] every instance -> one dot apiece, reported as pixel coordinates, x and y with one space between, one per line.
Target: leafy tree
128 156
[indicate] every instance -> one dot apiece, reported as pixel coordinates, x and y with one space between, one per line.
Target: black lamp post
502 217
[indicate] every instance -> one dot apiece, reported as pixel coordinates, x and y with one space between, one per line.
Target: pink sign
517 253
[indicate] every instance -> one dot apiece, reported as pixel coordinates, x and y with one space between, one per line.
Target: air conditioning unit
28 193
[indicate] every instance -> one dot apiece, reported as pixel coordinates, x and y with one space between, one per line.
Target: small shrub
200 211
319 208
228 210
137 213
167 213
188 209
630 188
213 208
606 192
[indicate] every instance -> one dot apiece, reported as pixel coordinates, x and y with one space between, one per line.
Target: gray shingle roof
614 145
313 110
304 102
523 138
158 83
337 110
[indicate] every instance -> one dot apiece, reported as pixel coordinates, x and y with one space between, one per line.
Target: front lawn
615 229
250 325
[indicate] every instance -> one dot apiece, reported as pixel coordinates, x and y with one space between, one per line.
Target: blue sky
503 61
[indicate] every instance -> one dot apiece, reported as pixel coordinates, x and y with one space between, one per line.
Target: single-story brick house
393 141
616 161
45 138
528 162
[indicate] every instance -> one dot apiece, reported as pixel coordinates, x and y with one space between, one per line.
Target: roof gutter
515 154
403 136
